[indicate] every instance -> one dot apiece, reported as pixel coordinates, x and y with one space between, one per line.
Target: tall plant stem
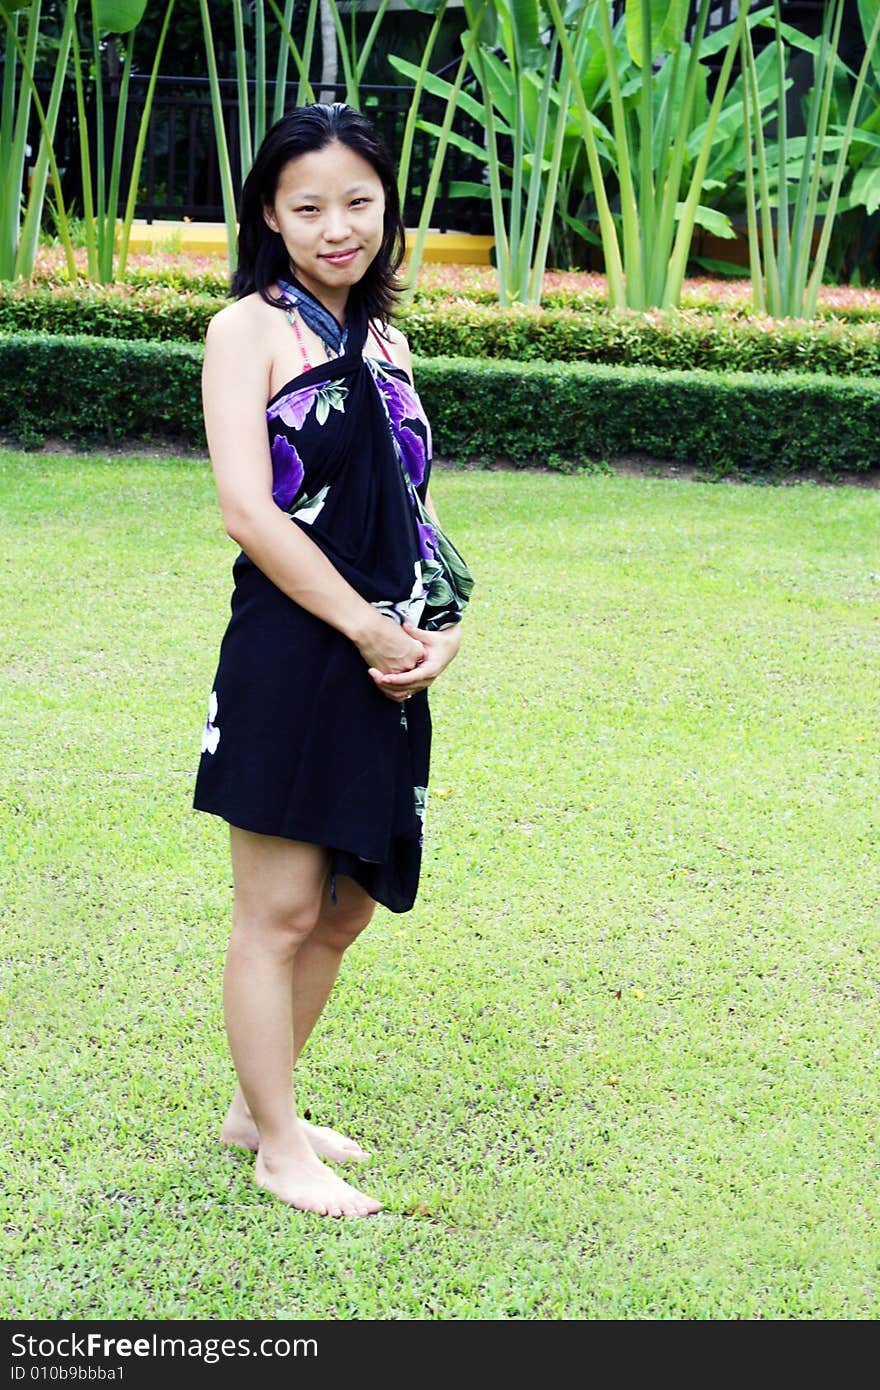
772 289
128 218
259 73
803 220
367 46
782 225
824 83
30 229
305 92
671 185
405 159
536 277
28 77
664 204
610 245
530 222
279 103
678 262
246 154
812 293
415 260
502 242
301 61
646 143
85 163
109 239
629 213
758 295
12 147
226 187
100 173
516 191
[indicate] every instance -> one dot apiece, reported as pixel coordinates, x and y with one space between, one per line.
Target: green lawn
621 1059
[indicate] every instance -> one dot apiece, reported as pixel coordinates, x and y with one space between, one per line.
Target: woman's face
328 208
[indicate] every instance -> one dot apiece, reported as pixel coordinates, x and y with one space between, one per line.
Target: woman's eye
307 208
355 201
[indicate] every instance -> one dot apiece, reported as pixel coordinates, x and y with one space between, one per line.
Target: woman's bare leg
279 885
317 965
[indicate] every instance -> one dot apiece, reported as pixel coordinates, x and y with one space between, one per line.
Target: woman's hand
440 648
387 648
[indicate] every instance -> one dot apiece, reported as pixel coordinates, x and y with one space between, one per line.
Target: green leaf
487 15
438 87
582 229
7 6
525 20
727 268
119 16
865 189
668 19
466 188
460 141
711 219
868 14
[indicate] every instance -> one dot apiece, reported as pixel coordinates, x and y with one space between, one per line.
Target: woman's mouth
340 257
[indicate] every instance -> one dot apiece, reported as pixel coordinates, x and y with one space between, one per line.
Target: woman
345 610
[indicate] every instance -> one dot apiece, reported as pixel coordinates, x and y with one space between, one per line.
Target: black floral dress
299 742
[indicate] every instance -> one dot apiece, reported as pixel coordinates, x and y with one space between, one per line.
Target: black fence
181 175
180 172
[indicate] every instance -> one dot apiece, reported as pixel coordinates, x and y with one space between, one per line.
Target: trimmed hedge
681 340
565 415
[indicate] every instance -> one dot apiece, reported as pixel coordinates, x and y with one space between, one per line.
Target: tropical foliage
638 136
794 186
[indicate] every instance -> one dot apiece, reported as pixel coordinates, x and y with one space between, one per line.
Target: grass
619 1061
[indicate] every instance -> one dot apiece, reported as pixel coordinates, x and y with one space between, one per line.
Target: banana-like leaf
723 268
482 21
460 141
465 188
119 16
439 87
525 24
668 19
865 191
711 219
7 6
582 229
867 14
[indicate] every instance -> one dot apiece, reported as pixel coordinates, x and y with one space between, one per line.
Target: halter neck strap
337 341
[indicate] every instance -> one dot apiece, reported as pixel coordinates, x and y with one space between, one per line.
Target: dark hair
262 256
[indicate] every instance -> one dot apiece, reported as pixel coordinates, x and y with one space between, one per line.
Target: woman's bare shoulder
393 335
398 347
243 321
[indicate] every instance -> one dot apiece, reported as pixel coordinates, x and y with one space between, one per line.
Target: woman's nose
336 224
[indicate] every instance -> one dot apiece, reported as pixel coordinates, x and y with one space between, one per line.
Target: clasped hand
437 650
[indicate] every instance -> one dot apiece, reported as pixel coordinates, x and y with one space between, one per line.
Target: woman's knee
342 923
278 926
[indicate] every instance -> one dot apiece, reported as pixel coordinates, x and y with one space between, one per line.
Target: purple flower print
293 408
287 472
427 541
403 404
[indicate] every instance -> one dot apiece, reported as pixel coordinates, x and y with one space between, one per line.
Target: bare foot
299 1178
239 1129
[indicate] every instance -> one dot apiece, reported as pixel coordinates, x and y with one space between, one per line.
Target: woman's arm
234 393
